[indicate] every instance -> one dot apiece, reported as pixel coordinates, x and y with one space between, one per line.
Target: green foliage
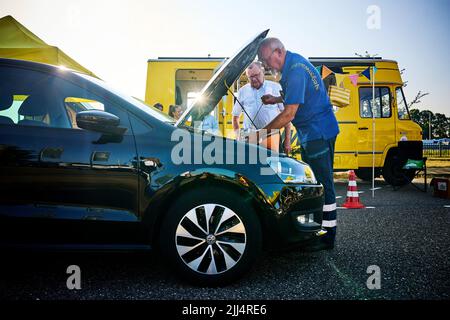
440 124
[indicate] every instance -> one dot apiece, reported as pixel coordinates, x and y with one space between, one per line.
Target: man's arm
270 99
287 129
284 118
236 122
287 139
236 125
236 112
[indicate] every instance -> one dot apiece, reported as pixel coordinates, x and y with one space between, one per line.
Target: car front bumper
293 213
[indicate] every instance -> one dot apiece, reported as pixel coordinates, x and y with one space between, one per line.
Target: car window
9 108
155 113
33 109
138 125
73 105
33 98
382 108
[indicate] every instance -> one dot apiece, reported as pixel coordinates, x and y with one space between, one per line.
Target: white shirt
250 98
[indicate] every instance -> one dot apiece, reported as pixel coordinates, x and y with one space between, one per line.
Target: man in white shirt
250 98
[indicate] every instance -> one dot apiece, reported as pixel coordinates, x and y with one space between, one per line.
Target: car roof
63 72
73 76
33 65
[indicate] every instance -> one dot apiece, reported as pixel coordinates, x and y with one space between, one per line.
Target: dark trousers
319 154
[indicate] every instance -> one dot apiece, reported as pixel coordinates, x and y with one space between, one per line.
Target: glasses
255 76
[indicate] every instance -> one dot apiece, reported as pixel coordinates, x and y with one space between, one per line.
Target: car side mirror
100 121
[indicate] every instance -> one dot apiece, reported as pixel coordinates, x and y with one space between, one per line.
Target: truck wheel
365 174
211 236
393 173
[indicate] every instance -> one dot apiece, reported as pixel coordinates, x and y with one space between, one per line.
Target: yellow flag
340 79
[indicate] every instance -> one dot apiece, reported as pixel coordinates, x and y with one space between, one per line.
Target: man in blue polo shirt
308 107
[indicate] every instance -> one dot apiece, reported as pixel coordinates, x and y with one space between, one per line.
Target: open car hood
218 85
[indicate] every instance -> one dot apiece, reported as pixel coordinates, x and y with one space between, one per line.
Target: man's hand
287 146
236 126
270 99
237 134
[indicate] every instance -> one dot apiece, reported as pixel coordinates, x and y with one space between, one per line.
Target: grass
438 162
431 163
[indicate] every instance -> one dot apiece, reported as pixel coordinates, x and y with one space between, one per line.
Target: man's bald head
271 53
272 44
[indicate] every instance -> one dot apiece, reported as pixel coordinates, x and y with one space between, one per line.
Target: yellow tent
17 42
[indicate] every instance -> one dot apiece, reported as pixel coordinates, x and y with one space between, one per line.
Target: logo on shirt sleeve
310 73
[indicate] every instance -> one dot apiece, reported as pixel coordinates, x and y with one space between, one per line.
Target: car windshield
206 122
155 113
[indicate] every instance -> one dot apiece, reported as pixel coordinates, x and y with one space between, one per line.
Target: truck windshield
134 101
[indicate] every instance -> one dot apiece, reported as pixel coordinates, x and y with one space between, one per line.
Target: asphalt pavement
406 234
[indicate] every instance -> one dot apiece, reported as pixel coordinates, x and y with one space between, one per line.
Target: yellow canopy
17 42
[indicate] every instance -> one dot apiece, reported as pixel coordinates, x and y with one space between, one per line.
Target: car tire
393 172
214 253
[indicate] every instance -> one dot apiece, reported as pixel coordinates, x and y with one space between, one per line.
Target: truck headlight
291 171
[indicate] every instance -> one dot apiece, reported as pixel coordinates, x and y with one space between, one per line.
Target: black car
84 167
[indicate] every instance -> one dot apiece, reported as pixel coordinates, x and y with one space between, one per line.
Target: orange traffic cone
352 201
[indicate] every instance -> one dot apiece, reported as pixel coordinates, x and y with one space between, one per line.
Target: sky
115 38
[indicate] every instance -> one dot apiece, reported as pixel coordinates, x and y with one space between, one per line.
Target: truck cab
389 123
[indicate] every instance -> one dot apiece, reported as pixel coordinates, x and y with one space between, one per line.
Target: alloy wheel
210 239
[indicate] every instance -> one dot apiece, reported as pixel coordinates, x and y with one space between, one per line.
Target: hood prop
231 91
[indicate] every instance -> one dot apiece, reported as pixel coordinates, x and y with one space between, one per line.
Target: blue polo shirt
303 85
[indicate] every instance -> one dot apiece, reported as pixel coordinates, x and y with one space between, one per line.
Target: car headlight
291 171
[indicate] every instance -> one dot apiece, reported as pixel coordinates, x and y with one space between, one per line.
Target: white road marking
447 206
338 197
378 188
344 208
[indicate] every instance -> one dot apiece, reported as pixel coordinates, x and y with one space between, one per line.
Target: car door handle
151 162
100 156
363 128
51 153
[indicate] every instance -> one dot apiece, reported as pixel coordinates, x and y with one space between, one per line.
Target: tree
441 126
414 113
417 100
366 55
422 118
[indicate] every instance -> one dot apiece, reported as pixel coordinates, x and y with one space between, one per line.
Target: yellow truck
179 80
